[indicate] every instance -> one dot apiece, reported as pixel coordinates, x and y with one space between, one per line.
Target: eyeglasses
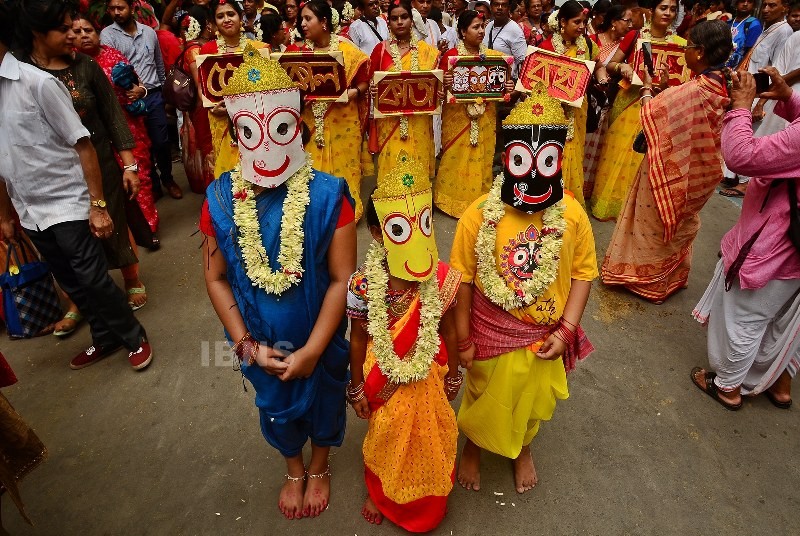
627 21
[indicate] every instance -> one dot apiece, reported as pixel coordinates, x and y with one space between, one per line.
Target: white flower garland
417 366
394 52
222 46
474 109
193 29
318 107
552 237
290 256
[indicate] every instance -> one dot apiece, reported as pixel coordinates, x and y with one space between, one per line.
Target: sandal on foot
132 292
731 192
782 404
711 390
729 182
76 318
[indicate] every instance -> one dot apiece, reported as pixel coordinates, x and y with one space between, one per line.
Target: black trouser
77 261
158 131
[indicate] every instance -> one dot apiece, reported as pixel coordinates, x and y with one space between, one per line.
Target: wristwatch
99 203
132 167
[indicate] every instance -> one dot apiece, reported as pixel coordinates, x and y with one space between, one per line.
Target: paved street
177 449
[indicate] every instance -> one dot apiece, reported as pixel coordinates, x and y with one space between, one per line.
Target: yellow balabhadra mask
404 204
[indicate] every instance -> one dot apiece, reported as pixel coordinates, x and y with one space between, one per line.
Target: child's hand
300 365
270 360
553 348
451 394
466 357
361 408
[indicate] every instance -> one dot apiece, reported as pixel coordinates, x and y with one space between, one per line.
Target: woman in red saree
651 250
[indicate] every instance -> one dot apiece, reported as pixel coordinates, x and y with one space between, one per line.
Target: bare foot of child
525 477
291 498
371 513
318 492
469 468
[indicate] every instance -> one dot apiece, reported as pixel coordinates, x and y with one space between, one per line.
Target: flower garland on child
474 109
320 108
290 256
417 366
394 52
494 286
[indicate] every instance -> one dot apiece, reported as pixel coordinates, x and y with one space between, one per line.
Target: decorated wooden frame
319 75
214 71
669 54
566 79
407 93
479 78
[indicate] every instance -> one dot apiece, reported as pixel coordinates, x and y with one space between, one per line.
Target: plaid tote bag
30 301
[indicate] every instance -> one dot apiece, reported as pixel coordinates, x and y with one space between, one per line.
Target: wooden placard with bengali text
214 71
407 93
669 54
479 77
565 78
319 75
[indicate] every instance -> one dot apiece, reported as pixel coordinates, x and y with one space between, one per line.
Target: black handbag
179 89
794 213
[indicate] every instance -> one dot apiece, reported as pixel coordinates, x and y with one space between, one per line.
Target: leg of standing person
79 265
158 130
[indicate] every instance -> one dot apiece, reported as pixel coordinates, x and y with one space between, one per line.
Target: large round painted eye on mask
534 135
404 204
264 106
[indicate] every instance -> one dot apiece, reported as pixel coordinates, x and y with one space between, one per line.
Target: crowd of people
85 113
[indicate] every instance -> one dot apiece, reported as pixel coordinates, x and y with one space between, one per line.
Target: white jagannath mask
268 130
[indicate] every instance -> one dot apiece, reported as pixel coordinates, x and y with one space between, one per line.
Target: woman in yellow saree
403 51
619 163
468 131
336 128
568 40
230 39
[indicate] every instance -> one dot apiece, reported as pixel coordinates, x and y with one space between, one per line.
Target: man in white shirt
505 35
426 30
50 175
370 29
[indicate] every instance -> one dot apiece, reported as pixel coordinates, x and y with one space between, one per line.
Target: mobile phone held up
762 82
647 56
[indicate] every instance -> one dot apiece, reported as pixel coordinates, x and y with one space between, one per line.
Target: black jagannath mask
532 166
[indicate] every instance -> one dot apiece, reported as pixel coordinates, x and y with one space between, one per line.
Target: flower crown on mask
538 109
408 176
257 73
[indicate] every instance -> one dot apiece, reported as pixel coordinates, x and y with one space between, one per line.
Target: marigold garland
494 286
394 52
290 255
474 109
417 366
320 108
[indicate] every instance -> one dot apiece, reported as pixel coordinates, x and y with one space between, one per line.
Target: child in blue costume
280 248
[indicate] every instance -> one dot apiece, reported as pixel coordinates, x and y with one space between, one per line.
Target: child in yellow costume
527 256
403 355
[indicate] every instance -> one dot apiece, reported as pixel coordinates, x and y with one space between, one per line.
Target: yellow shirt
518 239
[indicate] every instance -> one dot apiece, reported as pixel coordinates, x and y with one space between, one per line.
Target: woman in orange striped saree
651 250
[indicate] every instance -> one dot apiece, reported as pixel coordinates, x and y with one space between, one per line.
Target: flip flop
729 182
710 388
137 290
731 192
75 317
778 403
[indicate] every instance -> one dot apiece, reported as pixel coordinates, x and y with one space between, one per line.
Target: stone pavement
177 449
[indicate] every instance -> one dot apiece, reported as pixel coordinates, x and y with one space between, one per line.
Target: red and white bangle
465 344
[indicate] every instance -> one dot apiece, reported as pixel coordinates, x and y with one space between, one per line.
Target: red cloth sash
377 386
496 332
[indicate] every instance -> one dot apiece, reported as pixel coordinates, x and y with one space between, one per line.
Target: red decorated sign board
214 72
407 93
319 75
565 78
479 78
664 54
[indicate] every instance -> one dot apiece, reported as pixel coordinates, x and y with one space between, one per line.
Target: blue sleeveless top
285 321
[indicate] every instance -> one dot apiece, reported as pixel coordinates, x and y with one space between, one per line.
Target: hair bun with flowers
552 21
192 27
